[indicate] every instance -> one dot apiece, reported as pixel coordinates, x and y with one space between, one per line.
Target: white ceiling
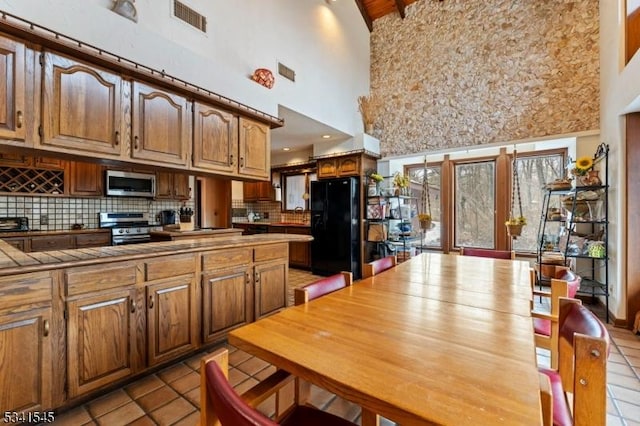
301 132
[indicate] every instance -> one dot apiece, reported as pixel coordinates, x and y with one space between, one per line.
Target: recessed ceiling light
326 136
286 149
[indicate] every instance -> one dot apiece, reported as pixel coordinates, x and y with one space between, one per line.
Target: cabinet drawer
271 251
225 258
56 242
18 243
93 240
170 266
18 290
298 230
99 277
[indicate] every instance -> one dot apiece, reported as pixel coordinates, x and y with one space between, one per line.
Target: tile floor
171 396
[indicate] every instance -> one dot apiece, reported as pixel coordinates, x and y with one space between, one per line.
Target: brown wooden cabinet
161 126
52 242
8 159
172 186
299 252
49 163
83 109
84 179
93 239
258 191
26 343
14 97
101 339
339 167
215 139
254 148
270 278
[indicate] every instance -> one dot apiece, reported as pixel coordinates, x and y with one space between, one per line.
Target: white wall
327 46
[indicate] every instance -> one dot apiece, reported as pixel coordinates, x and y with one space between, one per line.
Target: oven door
119 240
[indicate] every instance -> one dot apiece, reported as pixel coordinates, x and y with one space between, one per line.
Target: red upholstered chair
221 405
583 348
372 268
496 254
545 323
321 287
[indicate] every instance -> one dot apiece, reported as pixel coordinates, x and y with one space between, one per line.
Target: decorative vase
372 188
593 178
368 128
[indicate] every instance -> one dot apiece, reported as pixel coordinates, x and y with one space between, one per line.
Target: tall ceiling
374 9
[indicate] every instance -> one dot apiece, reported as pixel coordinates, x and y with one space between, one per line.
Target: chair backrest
573 281
321 287
583 348
496 254
372 268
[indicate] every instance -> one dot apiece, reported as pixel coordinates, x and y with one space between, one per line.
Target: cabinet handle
151 302
231 159
248 277
19 119
257 278
241 161
133 306
46 328
135 145
117 138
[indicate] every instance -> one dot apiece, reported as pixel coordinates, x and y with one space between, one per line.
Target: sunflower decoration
583 165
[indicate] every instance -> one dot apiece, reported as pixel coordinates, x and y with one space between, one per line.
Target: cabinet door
25 370
82 108
254 147
181 187
270 288
101 337
49 163
161 125
224 302
249 191
17 242
349 166
164 185
52 242
327 168
94 239
12 90
85 179
215 140
171 318
265 191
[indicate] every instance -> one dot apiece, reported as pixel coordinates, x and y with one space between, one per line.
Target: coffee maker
167 217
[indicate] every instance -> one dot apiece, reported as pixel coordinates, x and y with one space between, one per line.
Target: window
474 198
296 190
430 237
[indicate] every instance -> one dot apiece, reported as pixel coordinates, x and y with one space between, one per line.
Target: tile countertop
14 261
260 222
38 232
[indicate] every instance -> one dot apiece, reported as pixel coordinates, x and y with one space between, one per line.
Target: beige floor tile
108 403
122 415
143 421
263 374
236 376
173 411
622 369
193 396
174 372
191 420
611 407
157 398
252 366
624 381
614 420
194 361
143 386
629 411
631 422
634 352
246 385
238 357
187 382
625 394
77 416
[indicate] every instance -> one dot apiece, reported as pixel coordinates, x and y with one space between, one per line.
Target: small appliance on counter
167 217
14 224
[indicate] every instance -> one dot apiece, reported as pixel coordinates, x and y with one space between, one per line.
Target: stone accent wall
469 72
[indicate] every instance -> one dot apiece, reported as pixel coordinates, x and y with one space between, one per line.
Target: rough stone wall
469 72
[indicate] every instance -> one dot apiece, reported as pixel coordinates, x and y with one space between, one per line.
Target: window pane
294 190
533 173
430 237
475 205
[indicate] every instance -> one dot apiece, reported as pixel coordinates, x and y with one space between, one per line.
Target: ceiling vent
190 16
286 72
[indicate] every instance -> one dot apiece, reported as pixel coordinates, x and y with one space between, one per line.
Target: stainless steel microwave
128 184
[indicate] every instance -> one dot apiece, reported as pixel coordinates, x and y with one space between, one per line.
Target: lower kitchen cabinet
225 298
270 288
25 370
101 339
171 318
52 242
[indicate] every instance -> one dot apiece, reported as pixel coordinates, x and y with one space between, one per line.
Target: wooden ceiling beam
400 5
365 15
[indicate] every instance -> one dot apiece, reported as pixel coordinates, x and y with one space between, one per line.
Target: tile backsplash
60 213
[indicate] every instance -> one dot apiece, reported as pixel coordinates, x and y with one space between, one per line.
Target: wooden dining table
439 339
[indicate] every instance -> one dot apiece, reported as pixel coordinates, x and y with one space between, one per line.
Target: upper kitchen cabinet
215 140
17 89
161 126
84 109
254 149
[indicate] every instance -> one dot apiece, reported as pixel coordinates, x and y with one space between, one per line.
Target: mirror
296 190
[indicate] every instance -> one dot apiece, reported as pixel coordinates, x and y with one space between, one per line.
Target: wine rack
18 180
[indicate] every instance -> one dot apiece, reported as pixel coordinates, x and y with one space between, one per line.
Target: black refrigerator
335 226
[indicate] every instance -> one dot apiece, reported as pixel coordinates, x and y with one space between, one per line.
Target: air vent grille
190 16
286 72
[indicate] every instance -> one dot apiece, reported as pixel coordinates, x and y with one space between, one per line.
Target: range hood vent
190 16
286 72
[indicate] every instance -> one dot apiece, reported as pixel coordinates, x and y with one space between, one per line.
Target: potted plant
401 183
425 220
514 226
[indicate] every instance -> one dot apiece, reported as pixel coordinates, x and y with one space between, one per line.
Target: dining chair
545 322
302 295
583 348
496 254
372 268
220 405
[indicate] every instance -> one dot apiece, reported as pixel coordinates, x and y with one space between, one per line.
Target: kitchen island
176 234
77 322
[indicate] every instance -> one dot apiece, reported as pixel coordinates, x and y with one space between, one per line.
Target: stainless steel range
127 228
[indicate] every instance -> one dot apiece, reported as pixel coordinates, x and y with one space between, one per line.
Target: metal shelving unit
394 213
573 228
